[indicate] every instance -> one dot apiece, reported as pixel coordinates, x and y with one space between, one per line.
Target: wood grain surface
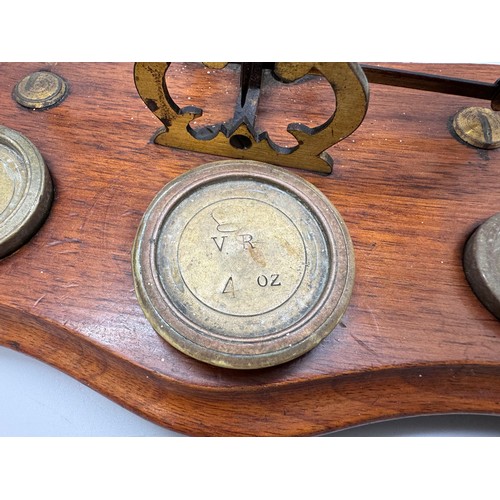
415 340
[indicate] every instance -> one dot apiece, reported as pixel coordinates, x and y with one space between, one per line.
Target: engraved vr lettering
229 227
246 241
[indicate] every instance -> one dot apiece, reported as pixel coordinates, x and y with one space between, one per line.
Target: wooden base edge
310 408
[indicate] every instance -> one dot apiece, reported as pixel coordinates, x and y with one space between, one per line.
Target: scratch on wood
132 211
90 210
39 299
64 240
374 316
363 344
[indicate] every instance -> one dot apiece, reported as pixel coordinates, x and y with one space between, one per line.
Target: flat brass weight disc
242 265
25 190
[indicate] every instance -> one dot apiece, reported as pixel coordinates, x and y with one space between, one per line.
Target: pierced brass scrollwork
238 138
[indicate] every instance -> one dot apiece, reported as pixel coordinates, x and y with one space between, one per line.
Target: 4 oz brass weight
242 265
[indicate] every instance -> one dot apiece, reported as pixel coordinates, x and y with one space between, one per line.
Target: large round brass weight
242 265
25 190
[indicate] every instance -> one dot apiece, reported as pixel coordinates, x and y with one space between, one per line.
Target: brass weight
479 127
25 190
40 90
242 265
482 263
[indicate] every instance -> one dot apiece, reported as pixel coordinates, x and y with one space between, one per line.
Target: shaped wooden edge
314 407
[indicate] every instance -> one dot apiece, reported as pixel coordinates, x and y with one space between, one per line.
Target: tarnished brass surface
239 139
479 127
242 265
25 190
482 263
40 90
